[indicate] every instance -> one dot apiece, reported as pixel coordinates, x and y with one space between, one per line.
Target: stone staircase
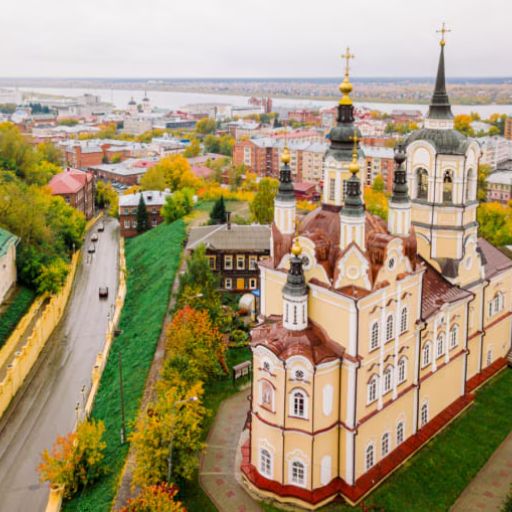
509 358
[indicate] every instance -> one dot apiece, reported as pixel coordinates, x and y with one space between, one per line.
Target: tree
178 205
376 202
142 215
206 125
218 213
262 206
49 152
173 172
155 498
211 144
67 121
495 223
107 198
153 179
483 172
52 276
193 149
462 123
378 183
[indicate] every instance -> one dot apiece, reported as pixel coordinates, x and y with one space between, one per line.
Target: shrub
155 498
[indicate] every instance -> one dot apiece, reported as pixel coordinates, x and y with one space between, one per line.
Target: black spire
353 198
440 107
295 280
285 191
400 189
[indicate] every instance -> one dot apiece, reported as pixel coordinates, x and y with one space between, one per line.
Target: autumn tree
376 202
107 198
153 179
495 223
483 172
378 183
49 152
155 498
262 206
173 172
178 205
142 215
462 123
193 149
206 125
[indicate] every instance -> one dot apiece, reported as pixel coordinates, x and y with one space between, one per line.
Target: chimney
228 219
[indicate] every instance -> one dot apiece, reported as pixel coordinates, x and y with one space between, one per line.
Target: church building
374 334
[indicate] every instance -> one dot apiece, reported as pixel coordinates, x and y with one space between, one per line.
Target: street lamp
169 457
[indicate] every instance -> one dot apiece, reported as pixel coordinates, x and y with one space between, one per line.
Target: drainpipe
484 287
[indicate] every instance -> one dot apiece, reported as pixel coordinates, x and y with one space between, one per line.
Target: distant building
85 154
306 190
499 186
128 204
77 189
8 243
128 172
406 116
495 149
378 160
508 128
233 251
306 116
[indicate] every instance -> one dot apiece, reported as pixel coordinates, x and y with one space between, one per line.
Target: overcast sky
251 38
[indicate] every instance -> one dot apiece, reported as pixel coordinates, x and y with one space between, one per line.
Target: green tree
211 144
178 205
67 121
193 149
378 183
142 215
483 172
262 206
49 152
52 276
218 213
107 198
206 125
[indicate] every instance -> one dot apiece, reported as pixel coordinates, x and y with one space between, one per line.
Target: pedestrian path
488 490
217 471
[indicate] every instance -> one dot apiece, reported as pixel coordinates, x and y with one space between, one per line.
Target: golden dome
346 87
296 248
285 157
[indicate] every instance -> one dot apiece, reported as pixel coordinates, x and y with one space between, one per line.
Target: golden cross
443 30
347 56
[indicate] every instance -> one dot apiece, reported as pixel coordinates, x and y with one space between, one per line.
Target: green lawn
152 260
18 305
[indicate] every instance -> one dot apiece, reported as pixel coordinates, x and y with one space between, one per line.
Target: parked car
91 249
94 237
103 292
101 227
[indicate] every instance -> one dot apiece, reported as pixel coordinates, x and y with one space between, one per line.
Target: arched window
402 370
403 320
454 334
372 389
265 463
388 379
385 444
370 456
497 304
447 187
424 414
440 345
489 357
470 185
422 184
400 428
374 336
267 395
389 328
299 404
426 357
298 476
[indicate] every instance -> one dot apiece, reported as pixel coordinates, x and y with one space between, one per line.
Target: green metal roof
6 239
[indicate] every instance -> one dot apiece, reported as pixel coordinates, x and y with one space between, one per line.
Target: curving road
45 406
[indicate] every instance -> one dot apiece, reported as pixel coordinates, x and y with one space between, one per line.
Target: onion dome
295 281
353 199
400 189
285 191
132 102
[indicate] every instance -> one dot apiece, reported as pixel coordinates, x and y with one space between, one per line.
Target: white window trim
260 471
373 380
291 411
382 444
374 325
290 472
402 362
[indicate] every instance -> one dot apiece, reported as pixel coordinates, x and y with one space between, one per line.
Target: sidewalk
217 470
488 490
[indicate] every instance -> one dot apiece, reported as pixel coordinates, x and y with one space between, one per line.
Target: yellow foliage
376 202
305 205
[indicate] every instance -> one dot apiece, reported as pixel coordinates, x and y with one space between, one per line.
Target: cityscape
288 289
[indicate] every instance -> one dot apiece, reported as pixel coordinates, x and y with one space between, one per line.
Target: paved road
45 407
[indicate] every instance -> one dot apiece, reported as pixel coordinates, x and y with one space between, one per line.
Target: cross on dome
443 31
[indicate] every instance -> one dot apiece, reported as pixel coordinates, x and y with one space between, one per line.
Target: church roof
447 142
493 260
312 342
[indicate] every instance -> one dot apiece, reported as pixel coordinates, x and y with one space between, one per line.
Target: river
174 100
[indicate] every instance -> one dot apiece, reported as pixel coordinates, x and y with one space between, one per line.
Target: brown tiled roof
493 259
312 343
437 291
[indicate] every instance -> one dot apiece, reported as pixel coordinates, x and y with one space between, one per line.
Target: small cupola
295 293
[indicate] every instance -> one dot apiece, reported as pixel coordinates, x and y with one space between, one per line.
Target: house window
370 457
299 404
388 374
298 473
240 262
374 336
440 345
427 354
389 328
422 184
265 463
253 283
424 414
372 389
489 357
400 433
385 444
211 262
126 224
253 262
228 262
402 370
403 320
134 223
228 283
454 333
154 223
332 189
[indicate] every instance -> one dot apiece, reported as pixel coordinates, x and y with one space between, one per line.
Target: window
372 389
253 262
454 333
228 262
426 355
400 433
489 357
402 370
403 320
370 457
332 189
374 336
422 184
265 463
440 345
287 312
389 328
211 261
253 283
240 262
424 415
127 224
447 187
267 395
385 444
134 224
388 379
228 283
299 404
298 473
469 185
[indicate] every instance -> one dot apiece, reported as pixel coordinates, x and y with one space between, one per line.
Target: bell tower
285 203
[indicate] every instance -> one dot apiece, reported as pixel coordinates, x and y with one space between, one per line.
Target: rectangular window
253 262
332 189
228 283
134 223
228 262
253 283
240 262
211 262
127 224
